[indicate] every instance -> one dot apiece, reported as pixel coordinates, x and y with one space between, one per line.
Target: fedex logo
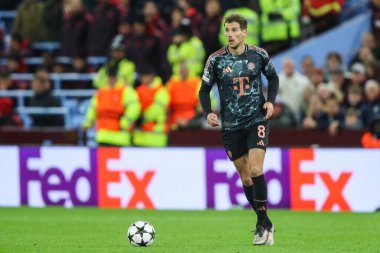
319 183
122 182
224 187
58 176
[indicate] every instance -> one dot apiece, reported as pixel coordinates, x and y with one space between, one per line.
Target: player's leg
257 141
264 227
256 161
235 144
242 167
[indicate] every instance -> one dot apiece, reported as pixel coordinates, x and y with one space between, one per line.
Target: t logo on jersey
240 85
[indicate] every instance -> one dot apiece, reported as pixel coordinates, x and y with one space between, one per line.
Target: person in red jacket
323 14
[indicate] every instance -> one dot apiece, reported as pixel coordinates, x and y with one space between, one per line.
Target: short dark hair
238 19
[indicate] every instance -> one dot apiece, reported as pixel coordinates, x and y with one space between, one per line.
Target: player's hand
212 119
268 106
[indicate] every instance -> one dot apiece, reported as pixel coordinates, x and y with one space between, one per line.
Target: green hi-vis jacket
191 52
153 131
280 19
125 75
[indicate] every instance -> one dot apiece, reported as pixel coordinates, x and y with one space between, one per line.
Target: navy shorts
237 143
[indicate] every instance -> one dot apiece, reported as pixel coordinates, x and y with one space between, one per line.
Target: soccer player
236 69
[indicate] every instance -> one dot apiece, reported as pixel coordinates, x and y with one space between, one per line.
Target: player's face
234 34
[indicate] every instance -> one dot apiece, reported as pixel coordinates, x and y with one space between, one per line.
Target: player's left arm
273 84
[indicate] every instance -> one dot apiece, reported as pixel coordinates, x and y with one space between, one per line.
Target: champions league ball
141 233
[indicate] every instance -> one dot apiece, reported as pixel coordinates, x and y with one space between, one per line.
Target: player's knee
256 171
246 181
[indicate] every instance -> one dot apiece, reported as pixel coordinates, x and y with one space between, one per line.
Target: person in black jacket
43 98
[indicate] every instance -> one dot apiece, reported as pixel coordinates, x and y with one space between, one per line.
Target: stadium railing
94 61
57 78
72 110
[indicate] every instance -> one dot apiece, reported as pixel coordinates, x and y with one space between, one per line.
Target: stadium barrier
192 137
186 178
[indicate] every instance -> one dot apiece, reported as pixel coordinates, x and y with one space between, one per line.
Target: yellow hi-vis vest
286 26
113 110
153 131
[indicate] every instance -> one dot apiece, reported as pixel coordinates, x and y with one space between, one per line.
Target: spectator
280 27
75 29
102 28
124 8
186 48
19 45
283 116
44 99
7 115
177 14
144 49
307 66
151 129
368 51
317 77
125 29
358 75
78 65
311 108
355 102
125 68
209 30
292 85
324 92
53 19
364 55
352 119
15 64
375 19
7 83
154 23
114 110
338 84
373 70
323 14
185 110
332 117
192 14
333 63
372 93
29 21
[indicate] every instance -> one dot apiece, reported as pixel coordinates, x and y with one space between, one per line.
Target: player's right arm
208 79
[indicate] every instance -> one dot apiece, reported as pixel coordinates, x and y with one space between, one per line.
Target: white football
141 233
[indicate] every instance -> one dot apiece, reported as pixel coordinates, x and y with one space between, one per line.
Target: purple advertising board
63 176
224 188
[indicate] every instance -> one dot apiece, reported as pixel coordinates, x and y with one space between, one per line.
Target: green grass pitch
104 230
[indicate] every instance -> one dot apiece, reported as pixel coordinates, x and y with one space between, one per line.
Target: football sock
260 201
249 194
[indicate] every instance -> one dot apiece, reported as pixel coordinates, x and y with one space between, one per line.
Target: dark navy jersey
238 78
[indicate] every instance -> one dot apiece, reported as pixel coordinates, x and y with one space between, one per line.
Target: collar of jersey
245 49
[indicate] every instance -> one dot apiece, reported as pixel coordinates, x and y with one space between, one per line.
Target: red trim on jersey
255 48
219 52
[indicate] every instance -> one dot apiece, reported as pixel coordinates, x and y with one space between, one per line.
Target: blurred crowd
156 51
